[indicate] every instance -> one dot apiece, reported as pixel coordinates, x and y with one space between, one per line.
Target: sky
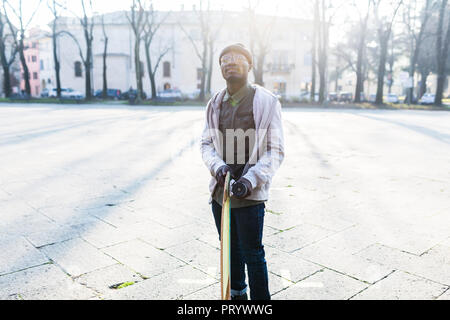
289 8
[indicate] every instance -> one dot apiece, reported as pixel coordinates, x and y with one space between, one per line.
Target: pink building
32 58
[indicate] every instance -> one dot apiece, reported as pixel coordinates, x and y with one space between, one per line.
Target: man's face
235 66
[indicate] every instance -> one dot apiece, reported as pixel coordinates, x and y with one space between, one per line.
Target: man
251 115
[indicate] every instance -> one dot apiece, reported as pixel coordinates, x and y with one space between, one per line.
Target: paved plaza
111 202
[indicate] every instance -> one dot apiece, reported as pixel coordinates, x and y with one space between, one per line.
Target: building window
42 64
78 70
33 45
33 59
35 75
166 69
167 86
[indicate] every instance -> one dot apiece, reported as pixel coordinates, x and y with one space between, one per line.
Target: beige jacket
268 151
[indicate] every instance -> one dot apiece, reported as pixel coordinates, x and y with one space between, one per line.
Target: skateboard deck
225 249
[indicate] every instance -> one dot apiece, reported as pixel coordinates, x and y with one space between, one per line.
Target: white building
288 63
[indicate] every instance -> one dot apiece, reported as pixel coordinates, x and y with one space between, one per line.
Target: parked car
170 95
66 93
427 98
333 97
44 93
372 97
126 95
191 95
392 98
345 97
305 96
110 94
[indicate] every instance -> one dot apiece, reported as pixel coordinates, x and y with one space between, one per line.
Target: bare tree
201 50
260 40
136 20
442 44
213 36
314 50
15 10
151 27
87 24
384 28
415 19
362 32
6 59
326 15
55 7
105 54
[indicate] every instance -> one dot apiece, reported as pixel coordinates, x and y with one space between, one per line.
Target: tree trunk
314 51
210 67
442 59
258 70
150 71
423 83
56 62
201 96
381 69
6 73
137 65
6 81
105 79
26 72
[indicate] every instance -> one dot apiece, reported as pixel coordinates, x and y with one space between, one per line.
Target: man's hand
241 188
221 174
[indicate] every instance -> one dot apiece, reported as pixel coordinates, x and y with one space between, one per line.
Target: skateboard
225 248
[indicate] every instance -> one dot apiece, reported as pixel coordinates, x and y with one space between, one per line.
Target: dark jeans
246 249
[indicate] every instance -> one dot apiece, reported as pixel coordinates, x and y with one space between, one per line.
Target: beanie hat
240 48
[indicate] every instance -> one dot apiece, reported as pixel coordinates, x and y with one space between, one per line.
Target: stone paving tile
281 221
101 235
162 237
446 242
66 289
19 218
31 279
402 286
440 254
77 257
102 279
289 266
171 218
276 283
143 258
199 255
211 239
16 253
4 196
445 295
351 265
324 285
53 235
298 237
117 216
410 240
426 267
64 215
211 292
175 284
350 241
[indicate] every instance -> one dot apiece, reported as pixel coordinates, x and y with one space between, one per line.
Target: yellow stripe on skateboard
225 249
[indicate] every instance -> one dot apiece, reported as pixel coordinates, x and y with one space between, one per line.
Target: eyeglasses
239 58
